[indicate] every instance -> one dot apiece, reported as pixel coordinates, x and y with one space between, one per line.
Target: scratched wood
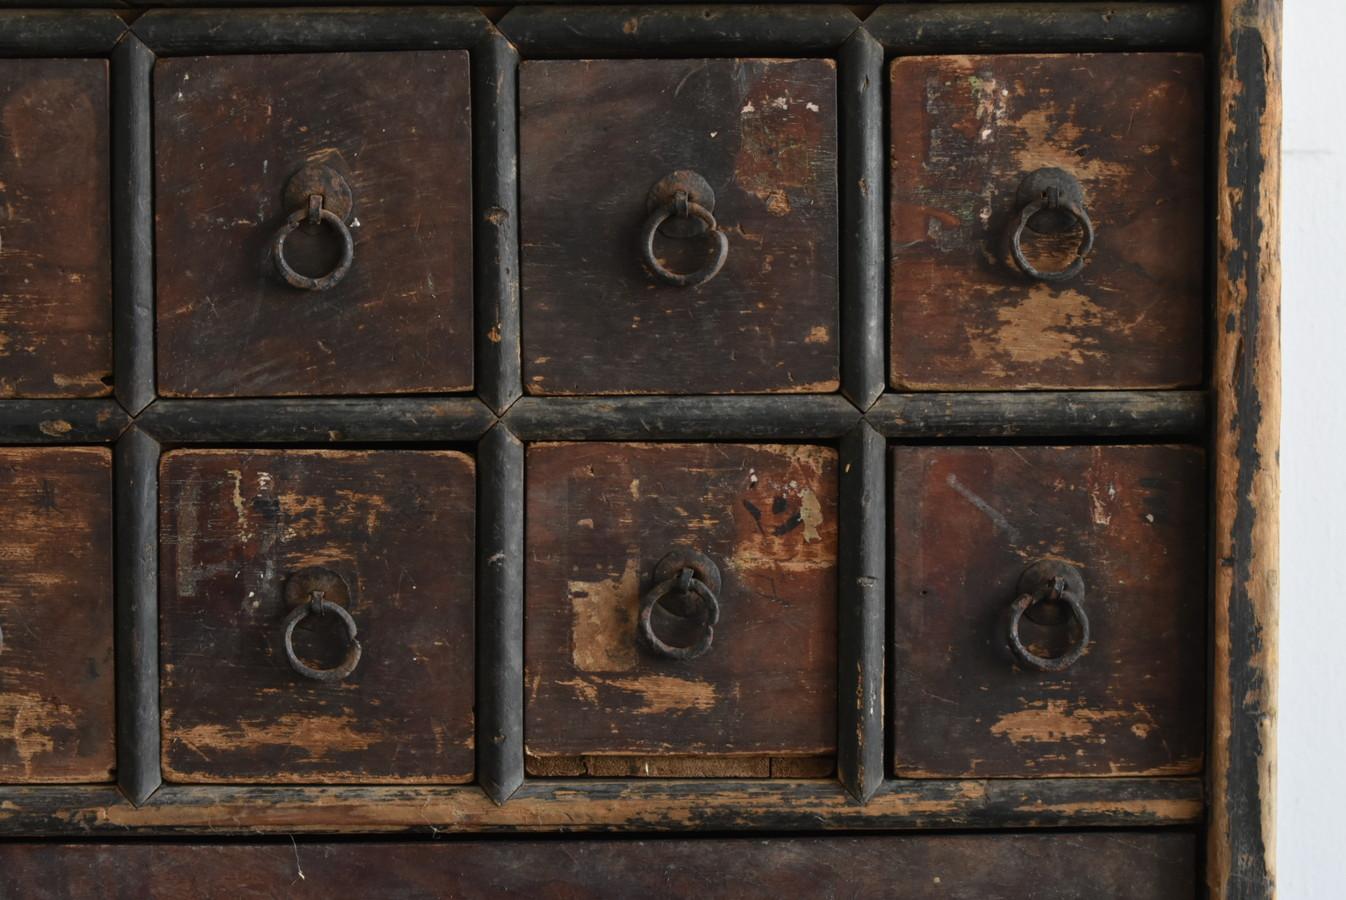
398 526
598 518
56 664
229 133
595 136
965 131
966 522
1144 865
55 233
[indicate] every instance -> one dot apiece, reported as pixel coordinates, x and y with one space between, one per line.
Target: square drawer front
251 541
55 231
606 145
56 665
991 543
967 134
621 659
242 145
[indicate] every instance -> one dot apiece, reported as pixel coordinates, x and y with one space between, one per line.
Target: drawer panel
966 132
977 530
596 136
231 132
248 536
56 663
600 519
1116 865
55 232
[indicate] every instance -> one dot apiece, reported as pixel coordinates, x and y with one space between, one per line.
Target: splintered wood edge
608 805
1240 851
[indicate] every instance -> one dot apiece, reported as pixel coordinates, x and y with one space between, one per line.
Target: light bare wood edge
606 805
1240 855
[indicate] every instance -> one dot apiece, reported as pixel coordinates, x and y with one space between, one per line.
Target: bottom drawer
1045 866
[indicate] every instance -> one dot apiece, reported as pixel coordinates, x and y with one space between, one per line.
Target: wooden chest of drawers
782 435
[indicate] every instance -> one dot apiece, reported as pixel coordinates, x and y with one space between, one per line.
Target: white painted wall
1311 814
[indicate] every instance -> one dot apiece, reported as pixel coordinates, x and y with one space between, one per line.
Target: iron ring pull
1052 190
1051 589
683 207
686 583
318 606
315 214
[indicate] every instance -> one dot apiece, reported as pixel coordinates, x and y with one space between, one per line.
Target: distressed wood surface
599 517
965 132
229 133
625 804
1125 866
399 528
966 522
1241 845
61 421
595 136
55 231
56 662
948 414
681 766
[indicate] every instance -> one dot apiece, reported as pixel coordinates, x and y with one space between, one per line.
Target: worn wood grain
1125 866
230 132
629 805
599 517
61 421
398 527
1241 846
793 767
55 230
965 132
808 417
954 414
53 32
595 136
967 521
56 662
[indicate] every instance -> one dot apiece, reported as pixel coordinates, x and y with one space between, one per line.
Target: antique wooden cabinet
734 451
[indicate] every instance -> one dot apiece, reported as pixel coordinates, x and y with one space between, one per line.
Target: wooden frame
1238 411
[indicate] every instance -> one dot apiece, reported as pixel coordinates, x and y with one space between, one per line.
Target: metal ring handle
297 218
318 606
710 604
661 215
1045 663
1086 243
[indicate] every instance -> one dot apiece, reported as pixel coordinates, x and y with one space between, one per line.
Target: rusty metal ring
322 282
1045 663
318 606
1086 242
710 605
661 215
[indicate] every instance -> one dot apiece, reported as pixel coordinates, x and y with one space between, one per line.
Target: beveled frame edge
317 420
59 32
1240 840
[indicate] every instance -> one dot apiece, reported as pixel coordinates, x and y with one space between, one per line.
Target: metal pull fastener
690 582
1049 585
313 586
319 195
1051 201
681 206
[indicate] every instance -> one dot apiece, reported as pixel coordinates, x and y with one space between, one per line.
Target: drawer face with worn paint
680 600
316 616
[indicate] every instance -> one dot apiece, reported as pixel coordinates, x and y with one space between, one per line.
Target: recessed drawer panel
314 224
55 233
1048 153
56 664
1049 611
316 616
681 599
679 226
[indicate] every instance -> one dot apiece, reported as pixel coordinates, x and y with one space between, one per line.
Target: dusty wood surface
598 519
681 766
230 131
965 131
595 136
1241 847
55 229
399 528
966 522
1125 866
631 805
56 664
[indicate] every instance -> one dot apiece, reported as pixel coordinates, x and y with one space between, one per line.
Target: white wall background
1311 833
